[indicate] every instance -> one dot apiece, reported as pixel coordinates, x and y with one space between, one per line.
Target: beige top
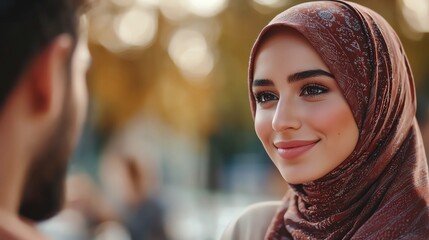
253 223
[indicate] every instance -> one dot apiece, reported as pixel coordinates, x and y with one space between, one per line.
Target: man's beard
43 191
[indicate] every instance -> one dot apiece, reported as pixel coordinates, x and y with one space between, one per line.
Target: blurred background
168 150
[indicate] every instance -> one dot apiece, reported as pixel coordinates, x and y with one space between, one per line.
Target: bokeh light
205 8
173 10
136 27
122 3
152 3
416 14
106 35
189 50
271 3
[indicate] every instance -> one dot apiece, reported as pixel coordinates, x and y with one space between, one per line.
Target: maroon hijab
381 191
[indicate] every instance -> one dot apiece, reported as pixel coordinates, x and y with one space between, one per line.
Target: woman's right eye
264 97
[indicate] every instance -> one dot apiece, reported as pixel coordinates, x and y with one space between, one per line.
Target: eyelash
313 87
308 90
262 97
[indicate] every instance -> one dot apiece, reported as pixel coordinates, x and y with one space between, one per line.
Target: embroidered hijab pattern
381 190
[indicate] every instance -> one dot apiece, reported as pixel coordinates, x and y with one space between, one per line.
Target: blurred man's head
43 63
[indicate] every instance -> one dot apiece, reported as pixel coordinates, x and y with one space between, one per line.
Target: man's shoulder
253 222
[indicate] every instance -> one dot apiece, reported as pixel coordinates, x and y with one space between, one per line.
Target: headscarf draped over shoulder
381 190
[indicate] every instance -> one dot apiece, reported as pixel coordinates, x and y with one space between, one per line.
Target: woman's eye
264 97
313 90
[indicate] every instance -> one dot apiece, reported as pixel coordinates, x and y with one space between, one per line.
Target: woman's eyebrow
294 77
308 74
262 83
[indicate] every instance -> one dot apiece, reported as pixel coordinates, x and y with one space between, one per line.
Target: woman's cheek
263 125
327 116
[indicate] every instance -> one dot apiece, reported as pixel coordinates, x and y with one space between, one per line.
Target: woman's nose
286 116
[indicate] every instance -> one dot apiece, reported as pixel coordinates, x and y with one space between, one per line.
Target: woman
333 99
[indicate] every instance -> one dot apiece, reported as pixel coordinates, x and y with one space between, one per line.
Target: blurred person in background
333 100
130 183
43 98
85 211
125 208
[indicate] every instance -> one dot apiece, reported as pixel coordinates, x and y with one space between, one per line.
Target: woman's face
301 118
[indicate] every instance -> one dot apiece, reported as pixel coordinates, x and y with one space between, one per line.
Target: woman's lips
292 149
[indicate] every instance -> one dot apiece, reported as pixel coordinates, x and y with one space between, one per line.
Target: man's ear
47 74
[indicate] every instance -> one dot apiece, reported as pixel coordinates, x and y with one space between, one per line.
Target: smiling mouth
293 149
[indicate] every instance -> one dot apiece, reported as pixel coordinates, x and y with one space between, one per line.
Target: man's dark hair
26 28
